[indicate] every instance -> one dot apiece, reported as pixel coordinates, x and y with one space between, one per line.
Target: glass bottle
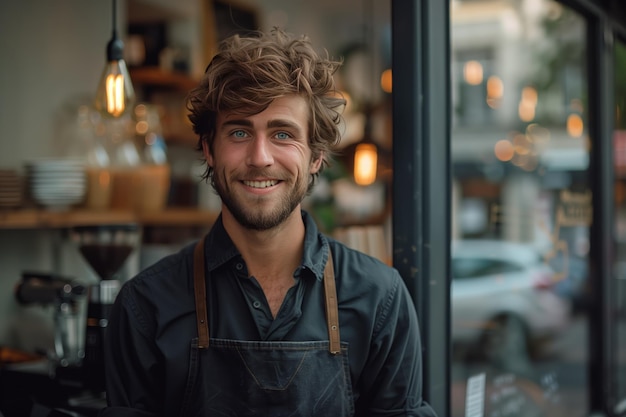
87 146
154 182
125 163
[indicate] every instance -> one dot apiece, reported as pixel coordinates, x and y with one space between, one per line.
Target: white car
503 300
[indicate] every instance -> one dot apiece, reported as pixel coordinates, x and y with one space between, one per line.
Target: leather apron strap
330 295
199 286
332 311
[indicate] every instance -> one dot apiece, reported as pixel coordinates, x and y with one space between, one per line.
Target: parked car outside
503 299
573 278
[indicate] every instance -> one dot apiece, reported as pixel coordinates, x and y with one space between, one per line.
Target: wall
52 52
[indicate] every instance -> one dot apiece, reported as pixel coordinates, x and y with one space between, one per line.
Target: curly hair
248 73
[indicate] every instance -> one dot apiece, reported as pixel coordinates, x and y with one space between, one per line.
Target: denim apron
259 378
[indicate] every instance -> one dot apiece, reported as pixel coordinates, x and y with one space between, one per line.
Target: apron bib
270 379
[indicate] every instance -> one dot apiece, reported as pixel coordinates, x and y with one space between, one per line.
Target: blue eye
282 135
239 134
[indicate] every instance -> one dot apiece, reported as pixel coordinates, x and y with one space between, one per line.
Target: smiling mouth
261 184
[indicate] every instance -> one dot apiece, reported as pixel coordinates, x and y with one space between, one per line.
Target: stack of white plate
56 183
11 190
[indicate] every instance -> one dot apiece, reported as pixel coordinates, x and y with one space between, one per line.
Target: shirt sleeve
392 379
131 362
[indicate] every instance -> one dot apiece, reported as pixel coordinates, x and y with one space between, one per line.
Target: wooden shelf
167 89
156 77
42 219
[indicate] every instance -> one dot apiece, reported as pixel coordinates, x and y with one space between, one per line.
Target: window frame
421 180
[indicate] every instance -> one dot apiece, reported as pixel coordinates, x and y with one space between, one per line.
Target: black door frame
421 177
601 113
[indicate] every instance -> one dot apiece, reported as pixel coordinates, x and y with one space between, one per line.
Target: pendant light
115 94
366 156
366 151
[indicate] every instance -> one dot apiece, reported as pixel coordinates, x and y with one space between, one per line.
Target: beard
251 215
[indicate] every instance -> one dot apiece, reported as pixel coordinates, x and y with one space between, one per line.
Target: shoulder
355 269
371 290
154 310
168 278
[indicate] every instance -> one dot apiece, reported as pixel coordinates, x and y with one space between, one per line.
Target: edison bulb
115 95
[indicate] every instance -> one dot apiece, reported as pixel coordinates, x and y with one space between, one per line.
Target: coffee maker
105 248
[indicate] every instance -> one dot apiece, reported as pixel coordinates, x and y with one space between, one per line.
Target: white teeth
260 184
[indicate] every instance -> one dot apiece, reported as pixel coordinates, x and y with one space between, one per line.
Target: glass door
521 209
617 323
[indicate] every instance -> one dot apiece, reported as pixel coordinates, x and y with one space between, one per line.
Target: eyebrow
271 124
237 122
283 123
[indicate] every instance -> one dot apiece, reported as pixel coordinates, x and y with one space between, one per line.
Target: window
521 203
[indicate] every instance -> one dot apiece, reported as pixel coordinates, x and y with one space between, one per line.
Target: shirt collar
220 248
316 247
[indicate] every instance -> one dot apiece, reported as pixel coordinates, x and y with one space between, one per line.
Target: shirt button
239 266
256 304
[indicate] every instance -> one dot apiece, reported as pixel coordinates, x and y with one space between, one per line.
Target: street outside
554 385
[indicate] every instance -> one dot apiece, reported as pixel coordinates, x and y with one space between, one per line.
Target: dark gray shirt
153 321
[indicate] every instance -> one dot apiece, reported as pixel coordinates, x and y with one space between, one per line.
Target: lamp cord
369 35
370 40
114 33
115 47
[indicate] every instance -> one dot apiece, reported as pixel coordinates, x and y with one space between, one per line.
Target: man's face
262 163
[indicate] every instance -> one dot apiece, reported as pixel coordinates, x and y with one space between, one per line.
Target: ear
316 164
207 154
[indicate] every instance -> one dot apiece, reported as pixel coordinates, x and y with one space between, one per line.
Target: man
265 316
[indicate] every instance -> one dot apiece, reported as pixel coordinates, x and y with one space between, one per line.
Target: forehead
292 108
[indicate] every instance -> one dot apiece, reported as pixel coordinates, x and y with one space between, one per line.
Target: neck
269 253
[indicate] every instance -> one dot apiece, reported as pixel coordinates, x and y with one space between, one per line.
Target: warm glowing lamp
473 72
365 162
115 94
386 81
366 155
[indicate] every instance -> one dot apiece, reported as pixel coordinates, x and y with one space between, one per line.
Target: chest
240 308
275 291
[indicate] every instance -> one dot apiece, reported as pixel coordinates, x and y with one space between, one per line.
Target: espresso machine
81 310
65 294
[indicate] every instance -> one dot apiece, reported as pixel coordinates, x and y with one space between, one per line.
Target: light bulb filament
115 94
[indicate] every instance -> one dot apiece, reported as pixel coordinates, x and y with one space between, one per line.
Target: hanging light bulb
115 94
366 151
365 162
366 156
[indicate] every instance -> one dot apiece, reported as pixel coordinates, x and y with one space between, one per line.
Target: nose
260 152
